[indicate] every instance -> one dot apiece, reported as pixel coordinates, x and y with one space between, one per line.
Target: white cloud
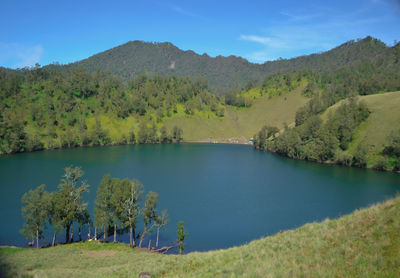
16 55
303 33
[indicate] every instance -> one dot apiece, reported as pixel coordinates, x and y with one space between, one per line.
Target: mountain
222 73
134 58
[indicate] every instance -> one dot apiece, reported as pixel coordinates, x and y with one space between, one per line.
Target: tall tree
161 221
35 212
55 214
149 214
177 134
132 195
71 189
102 205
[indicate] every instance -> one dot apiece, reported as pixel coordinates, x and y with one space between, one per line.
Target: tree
102 204
392 148
83 218
149 214
181 236
71 197
143 133
177 134
132 191
161 221
164 138
55 214
116 204
360 155
35 212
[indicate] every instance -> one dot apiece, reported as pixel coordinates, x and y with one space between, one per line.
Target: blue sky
67 31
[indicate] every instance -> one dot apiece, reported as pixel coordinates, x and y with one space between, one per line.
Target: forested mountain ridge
137 57
347 54
222 73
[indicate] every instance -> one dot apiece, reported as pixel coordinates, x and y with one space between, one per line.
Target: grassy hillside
242 123
384 118
365 243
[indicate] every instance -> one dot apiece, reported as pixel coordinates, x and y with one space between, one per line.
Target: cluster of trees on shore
328 141
46 109
315 140
117 209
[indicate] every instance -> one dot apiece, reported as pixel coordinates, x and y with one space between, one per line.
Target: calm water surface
227 195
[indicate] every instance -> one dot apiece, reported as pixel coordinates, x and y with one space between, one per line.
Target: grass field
365 243
384 118
241 122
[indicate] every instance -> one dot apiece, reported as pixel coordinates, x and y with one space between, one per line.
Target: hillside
136 57
362 244
384 119
222 73
242 123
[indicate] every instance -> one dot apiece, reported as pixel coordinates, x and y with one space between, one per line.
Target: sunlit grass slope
384 118
241 122
365 243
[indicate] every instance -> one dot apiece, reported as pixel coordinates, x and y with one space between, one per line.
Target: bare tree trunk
115 233
105 233
142 236
158 232
149 244
37 236
130 236
67 233
54 238
72 232
88 232
79 232
95 233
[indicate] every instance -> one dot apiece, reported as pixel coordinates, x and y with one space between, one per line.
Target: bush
360 156
381 164
343 159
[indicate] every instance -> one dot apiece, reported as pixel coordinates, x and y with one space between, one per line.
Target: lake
227 195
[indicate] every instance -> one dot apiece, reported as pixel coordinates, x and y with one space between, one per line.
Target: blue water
227 195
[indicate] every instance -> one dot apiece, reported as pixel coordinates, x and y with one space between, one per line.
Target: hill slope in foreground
362 244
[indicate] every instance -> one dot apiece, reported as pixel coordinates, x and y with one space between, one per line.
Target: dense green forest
46 109
222 73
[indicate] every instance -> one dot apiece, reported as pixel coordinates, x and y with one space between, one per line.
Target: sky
45 32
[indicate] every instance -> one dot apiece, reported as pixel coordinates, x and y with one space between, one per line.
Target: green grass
365 243
384 118
241 122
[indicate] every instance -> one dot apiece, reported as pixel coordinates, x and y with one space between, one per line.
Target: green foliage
149 213
381 164
344 158
35 212
318 141
71 188
265 133
51 109
392 148
181 235
177 134
360 156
